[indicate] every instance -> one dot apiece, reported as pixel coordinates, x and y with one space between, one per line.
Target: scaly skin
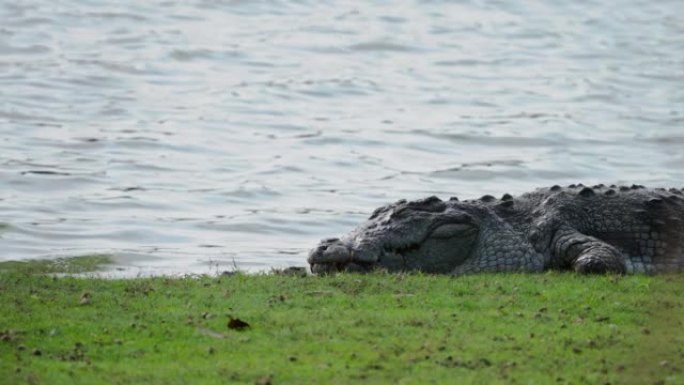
595 229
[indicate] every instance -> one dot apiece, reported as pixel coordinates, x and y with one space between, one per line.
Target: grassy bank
488 329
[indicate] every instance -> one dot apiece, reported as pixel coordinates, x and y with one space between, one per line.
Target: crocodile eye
451 230
535 235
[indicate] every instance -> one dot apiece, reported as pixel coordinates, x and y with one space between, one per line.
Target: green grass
378 328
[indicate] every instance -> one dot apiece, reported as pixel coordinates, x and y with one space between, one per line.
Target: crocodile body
599 229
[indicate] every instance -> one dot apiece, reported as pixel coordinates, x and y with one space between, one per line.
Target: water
194 136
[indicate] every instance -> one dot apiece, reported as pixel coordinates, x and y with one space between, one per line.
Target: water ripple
198 135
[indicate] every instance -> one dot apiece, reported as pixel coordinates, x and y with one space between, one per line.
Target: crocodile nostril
331 240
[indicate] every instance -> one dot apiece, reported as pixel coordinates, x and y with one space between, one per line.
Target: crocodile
598 229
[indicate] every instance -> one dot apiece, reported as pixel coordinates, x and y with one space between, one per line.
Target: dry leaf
85 299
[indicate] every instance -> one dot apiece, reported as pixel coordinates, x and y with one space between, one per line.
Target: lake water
195 136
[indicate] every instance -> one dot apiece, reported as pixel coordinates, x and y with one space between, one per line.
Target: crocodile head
428 235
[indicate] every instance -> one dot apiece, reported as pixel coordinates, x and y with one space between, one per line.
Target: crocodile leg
585 253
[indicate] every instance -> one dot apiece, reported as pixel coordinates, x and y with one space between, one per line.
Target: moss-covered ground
73 265
377 328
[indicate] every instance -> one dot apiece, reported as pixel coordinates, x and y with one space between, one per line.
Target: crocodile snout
333 255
